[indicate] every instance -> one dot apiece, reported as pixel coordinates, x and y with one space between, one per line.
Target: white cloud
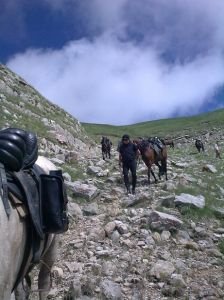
120 77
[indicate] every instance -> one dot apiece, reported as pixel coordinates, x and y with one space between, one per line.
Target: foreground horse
13 243
150 157
199 145
105 147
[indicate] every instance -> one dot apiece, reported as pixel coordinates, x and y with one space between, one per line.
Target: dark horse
106 147
150 157
199 145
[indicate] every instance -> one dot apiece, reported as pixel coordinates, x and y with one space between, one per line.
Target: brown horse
169 142
150 157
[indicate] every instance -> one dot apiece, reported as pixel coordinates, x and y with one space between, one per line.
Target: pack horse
105 147
33 209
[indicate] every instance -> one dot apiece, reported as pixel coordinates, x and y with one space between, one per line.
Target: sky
121 61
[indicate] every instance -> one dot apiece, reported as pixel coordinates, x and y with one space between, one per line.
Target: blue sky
120 61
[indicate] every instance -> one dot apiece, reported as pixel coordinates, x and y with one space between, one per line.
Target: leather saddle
18 153
18 149
157 145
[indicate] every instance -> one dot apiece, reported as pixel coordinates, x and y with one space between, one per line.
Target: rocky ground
166 242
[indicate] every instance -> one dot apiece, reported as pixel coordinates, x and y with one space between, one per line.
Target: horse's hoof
156 181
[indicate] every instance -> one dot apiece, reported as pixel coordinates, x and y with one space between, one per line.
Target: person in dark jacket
128 154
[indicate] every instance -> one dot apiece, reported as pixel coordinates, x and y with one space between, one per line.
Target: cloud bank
143 60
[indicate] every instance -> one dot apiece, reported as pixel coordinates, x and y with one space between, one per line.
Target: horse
168 142
13 250
105 147
150 157
199 145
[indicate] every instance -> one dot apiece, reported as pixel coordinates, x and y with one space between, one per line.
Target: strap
33 201
4 190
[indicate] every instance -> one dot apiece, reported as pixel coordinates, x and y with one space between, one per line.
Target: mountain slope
200 124
61 137
22 105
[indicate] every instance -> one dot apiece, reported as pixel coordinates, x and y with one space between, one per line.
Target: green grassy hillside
164 128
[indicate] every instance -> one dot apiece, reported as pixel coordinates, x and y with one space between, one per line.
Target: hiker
128 154
217 151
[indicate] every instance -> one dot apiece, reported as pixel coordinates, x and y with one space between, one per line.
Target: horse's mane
143 145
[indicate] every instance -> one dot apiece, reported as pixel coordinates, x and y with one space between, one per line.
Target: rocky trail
165 242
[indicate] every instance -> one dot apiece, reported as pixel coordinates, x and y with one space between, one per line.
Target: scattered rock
165 235
91 209
179 164
162 221
209 168
109 228
190 200
74 209
162 270
84 190
111 290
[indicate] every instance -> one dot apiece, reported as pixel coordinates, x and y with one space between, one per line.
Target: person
217 151
128 154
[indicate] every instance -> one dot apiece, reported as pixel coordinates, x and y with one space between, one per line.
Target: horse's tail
164 160
164 166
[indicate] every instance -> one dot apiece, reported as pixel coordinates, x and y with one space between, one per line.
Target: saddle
44 195
157 147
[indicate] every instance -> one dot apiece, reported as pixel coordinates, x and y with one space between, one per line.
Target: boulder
190 200
111 290
162 270
87 191
162 221
94 170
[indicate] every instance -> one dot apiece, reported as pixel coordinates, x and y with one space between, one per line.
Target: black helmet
125 137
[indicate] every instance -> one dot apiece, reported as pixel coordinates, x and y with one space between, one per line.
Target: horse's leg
103 155
44 278
153 174
149 171
22 292
164 167
160 169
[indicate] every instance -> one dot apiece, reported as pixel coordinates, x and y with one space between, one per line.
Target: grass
166 127
203 183
74 170
221 246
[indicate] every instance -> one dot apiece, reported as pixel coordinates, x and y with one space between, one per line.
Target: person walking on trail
217 151
128 155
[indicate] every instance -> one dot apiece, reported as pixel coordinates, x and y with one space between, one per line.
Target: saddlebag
54 203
